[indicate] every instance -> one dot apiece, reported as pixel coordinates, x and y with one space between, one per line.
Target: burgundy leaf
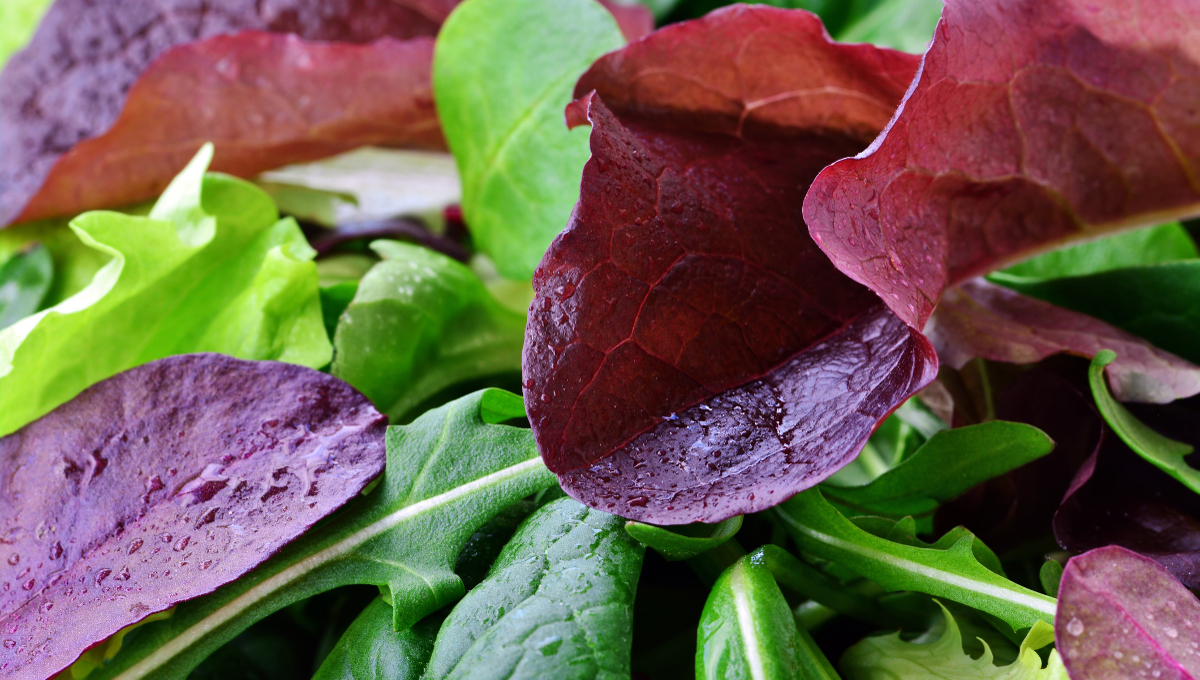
978 319
691 355
1032 123
1121 616
72 81
161 484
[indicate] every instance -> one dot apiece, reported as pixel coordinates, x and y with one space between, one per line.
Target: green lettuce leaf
24 282
212 269
18 20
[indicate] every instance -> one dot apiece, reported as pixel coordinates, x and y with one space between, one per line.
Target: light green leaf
558 603
421 322
371 650
951 571
949 464
229 278
1161 452
18 20
887 657
684 542
24 282
447 473
900 24
1157 245
503 71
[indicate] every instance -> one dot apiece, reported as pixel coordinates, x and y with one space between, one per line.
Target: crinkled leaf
1121 615
558 603
685 542
164 483
24 282
951 569
900 24
371 650
950 463
212 269
78 76
690 354
500 97
887 657
1030 125
979 319
421 322
1157 245
447 473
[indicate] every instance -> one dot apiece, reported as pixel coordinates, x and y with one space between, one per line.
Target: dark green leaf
1050 575
686 541
334 300
24 281
371 650
558 603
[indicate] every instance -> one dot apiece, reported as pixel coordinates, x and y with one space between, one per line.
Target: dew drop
9 644
56 550
182 543
133 547
28 585
14 559
47 607
1118 655
102 574
1075 627
1172 633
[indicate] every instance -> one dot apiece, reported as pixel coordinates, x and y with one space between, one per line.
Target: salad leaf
633 19
1156 245
447 473
686 542
24 282
77 75
212 269
950 569
558 603
900 24
979 319
18 19
500 97
1050 575
947 465
1121 614
888 657
210 465
421 322
371 650
686 247
1031 125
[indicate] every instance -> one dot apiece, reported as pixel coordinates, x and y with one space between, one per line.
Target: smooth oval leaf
686 542
1121 615
24 282
371 650
160 485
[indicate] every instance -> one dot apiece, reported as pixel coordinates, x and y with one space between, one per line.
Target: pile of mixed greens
861 344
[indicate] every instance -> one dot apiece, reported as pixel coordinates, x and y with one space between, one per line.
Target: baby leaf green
1156 245
684 542
558 603
24 281
371 650
503 71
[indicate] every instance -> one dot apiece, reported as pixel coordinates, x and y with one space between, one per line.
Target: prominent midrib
745 617
232 609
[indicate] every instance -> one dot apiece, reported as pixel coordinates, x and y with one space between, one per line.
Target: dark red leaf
691 355
71 83
1032 123
1121 616
161 484
978 319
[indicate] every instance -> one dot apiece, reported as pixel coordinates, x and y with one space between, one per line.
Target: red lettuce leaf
690 354
979 319
71 83
1121 616
161 484
1031 124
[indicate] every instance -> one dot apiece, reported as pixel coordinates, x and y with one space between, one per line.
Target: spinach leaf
371 650
24 282
684 542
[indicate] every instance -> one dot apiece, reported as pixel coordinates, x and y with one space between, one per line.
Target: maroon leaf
1121 616
161 484
978 319
1032 123
691 355
73 80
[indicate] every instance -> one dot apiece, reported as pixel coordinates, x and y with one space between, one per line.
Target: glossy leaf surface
447 474
421 322
1031 124
371 650
685 542
1121 614
25 280
500 97
212 465
980 319
687 244
557 603
212 269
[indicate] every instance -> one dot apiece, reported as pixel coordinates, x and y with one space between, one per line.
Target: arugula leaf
212 269
371 650
558 603
952 570
684 542
946 466
447 473
887 657
900 24
24 282
18 19
1155 245
500 97
420 322
747 631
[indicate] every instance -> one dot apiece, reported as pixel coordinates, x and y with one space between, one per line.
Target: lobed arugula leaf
24 282
685 542
371 650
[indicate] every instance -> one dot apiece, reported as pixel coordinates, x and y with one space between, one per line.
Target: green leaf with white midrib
447 473
953 573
